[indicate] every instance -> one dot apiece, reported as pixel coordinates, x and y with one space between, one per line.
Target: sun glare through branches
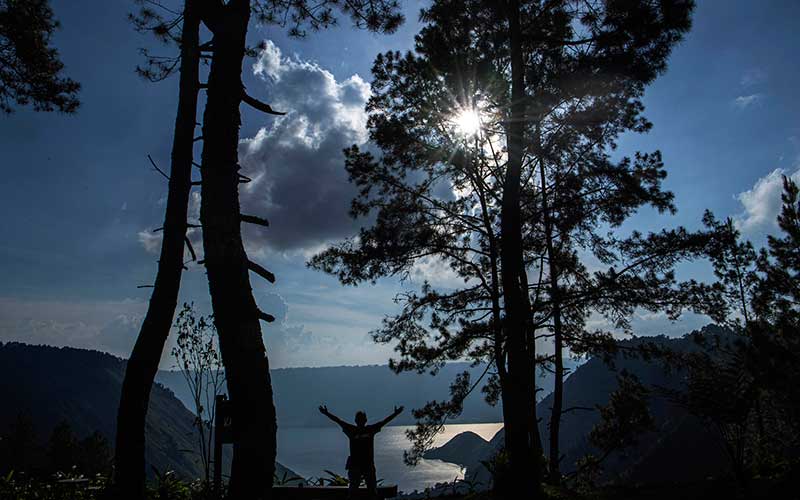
467 122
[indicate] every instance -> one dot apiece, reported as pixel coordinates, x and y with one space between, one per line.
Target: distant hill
374 389
82 387
659 454
466 449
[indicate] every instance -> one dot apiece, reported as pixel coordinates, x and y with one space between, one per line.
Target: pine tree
30 69
744 386
525 189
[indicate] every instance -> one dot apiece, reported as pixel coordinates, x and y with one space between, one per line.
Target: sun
467 122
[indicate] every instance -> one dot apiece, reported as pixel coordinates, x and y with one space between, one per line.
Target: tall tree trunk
142 366
518 394
536 439
236 315
558 335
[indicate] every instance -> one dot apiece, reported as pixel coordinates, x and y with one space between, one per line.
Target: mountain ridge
49 389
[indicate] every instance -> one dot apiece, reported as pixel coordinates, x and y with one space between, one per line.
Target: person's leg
370 477
354 480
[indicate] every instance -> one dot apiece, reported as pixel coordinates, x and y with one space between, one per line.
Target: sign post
223 433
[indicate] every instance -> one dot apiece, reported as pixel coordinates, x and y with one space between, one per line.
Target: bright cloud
296 162
762 203
746 101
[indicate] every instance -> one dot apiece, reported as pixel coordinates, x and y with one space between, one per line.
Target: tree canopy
30 68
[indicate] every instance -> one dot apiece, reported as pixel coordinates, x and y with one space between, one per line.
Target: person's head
361 418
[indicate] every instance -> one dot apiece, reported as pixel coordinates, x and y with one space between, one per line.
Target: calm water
310 451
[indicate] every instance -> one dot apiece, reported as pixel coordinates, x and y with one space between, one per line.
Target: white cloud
150 241
745 101
762 203
296 163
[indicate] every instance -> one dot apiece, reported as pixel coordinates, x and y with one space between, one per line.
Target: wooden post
222 435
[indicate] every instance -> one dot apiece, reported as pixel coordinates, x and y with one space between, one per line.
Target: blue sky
79 196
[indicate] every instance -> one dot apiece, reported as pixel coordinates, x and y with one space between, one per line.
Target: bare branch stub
191 248
259 270
252 219
255 103
264 316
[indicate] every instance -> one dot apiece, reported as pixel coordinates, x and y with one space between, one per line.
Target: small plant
169 487
285 479
200 363
334 479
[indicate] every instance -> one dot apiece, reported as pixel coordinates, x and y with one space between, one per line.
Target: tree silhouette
529 189
622 420
140 371
775 355
182 29
30 70
744 385
236 314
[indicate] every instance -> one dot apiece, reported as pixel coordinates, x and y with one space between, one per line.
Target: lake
309 451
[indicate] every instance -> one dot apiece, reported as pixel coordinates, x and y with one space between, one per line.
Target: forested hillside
591 386
46 386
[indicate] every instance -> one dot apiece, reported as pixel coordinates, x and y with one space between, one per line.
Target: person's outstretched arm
324 410
397 411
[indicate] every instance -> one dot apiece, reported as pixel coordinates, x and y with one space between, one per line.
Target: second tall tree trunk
236 315
518 390
558 334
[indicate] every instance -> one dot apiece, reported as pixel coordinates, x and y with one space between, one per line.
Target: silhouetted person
361 462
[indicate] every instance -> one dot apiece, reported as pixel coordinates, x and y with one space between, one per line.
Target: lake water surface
310 451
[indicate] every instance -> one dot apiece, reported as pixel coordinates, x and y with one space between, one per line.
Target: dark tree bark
517 390
558 336
142 366
533 419
235 312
